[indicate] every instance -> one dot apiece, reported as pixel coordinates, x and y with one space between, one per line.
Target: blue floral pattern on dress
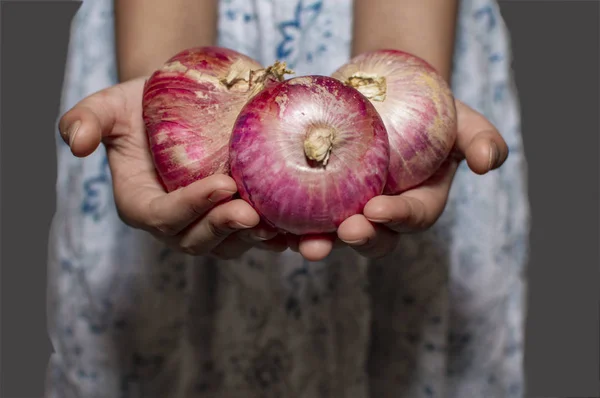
97 193
292 31
443 316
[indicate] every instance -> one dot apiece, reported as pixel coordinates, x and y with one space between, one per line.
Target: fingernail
220 195
72 131
238 225
380 220
494 155
261 235
359 242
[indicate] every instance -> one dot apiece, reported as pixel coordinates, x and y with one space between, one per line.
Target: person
186 294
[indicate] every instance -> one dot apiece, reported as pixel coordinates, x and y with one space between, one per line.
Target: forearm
425 28
148 32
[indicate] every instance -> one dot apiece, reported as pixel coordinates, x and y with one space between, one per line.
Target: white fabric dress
441 317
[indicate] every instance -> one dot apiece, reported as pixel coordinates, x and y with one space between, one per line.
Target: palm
198 218
127 147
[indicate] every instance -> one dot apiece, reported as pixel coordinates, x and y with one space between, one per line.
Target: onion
190 105
309 152
417 108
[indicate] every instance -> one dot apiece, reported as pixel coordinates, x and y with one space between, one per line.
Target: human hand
375 232
200 219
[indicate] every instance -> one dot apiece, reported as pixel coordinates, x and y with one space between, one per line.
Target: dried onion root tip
318 143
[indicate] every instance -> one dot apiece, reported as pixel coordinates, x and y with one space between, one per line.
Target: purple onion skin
189 112
273 173
417 108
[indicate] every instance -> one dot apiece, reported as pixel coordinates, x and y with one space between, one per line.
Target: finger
231 248
234 246
479 141
150 208
217 225
416 209
293 243
277 244
98 115
316 247
260 233
368 239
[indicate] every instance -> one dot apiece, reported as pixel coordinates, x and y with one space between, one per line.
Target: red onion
190 105
308 153
417 107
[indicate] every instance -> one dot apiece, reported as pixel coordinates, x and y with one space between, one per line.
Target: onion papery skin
189 107
417 107
273 173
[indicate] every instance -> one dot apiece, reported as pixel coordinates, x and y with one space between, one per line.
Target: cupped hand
375 232
200 219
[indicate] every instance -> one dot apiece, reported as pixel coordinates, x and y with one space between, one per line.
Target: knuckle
189 248
416 216
132 222
124 219
197 210
164 228
247 236
158 222
218 231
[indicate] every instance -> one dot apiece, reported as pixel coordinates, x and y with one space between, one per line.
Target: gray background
556 60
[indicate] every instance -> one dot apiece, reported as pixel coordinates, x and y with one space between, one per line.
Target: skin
202 219
148 32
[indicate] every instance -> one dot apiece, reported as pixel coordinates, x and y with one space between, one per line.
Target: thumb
94 118
478 140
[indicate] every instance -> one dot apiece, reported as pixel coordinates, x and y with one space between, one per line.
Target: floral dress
443 316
